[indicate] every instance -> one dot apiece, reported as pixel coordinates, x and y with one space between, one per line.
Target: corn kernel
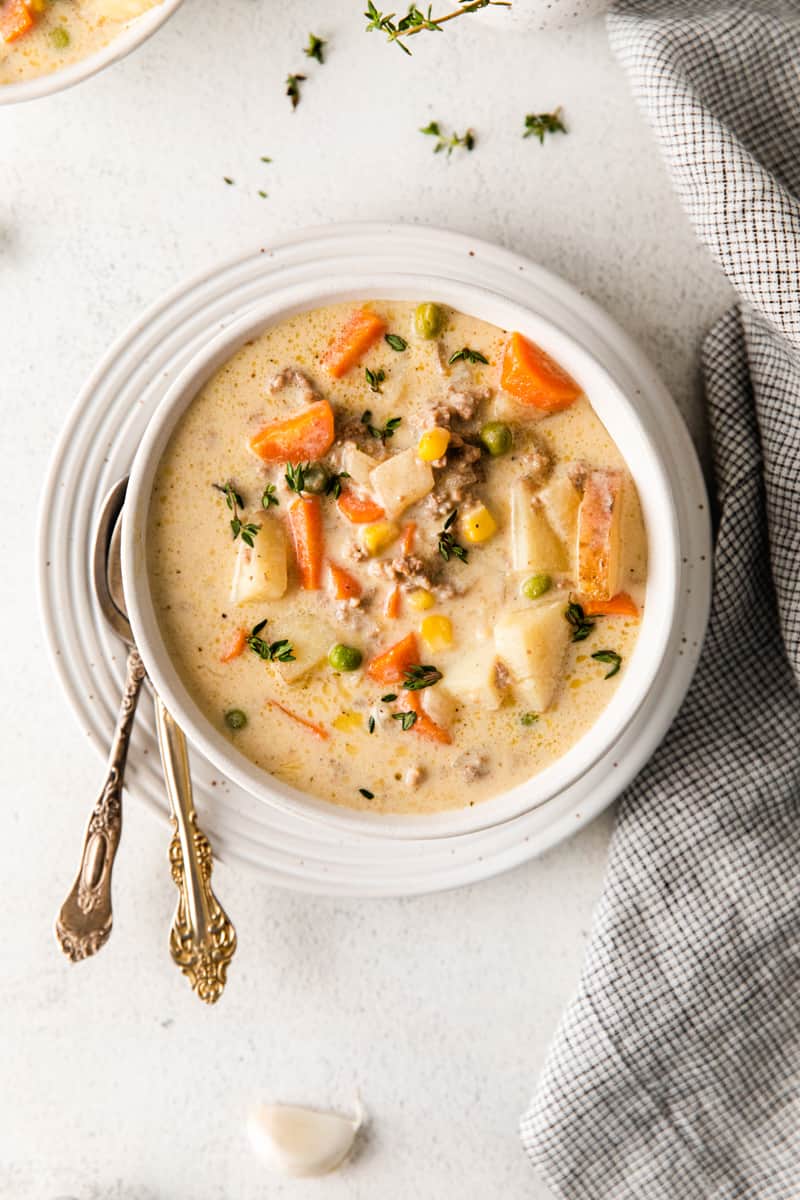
478 525
433 444
420 599
378 536
437 631
347 721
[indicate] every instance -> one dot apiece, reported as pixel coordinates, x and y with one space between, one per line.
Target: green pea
344 658
497 438
315 479
536 586
235 718
428 320
59 37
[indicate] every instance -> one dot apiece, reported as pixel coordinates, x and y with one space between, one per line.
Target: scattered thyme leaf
279 651
315 48
375 378
293 88
376 431
467 355
269 497
265 159
334 485
396 342
263 195
406 719
539 124
582 625
227 179
295 476
420 676
448 143
388 698
611 658
529 718
448 546
368 795
371 725
239 528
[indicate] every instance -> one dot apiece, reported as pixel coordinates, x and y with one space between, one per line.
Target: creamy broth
516 691
41 36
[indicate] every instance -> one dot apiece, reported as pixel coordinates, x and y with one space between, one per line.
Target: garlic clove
301 1141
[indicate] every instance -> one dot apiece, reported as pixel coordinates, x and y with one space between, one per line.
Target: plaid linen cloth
675 1073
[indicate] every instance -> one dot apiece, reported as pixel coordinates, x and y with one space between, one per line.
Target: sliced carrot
305 522
358 508
306 436
409 532
234 646
535 378
621 605
360 331
391 666
310 725
345 585
423 725
392 609
15 19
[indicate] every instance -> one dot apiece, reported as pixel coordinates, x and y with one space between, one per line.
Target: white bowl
620 418
132 35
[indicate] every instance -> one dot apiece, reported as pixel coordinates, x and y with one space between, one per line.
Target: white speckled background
117 1084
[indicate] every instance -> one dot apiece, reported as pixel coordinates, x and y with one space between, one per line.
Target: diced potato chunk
439 704
401 481
532 644
311 640
534 545
561 498
357 464
599 541
260 570
472 676
121 10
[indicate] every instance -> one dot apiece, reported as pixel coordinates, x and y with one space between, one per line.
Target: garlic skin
301 1141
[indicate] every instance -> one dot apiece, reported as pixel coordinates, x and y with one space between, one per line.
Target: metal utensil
84 923
202 939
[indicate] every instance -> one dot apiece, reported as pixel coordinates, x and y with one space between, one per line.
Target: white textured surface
117 1085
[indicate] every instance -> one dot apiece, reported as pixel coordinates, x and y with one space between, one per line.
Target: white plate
98 445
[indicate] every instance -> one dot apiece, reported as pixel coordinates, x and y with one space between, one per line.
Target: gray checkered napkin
675 1073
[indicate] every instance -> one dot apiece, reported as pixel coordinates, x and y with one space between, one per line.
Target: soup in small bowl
46 45
397 563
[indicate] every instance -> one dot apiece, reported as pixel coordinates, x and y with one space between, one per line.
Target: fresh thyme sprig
375 431
295 476
269 497
375 378
582 625
467 355
315 48
611 658
406 719
448 142
539 124
448 546
420 676
415 21
293 88
239 528
280 651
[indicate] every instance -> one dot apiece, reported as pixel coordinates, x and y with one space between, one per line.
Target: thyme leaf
375 378
448 546
334 485
415 21
448 142
529 718
611 658
295 476
396 342
239 528
539 124
467 355
293 88
376 431
406 719
420 676
279 651
269 498
368 795
315 48
582 625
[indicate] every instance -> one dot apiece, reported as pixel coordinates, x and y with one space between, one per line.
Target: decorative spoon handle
85 920
202 940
